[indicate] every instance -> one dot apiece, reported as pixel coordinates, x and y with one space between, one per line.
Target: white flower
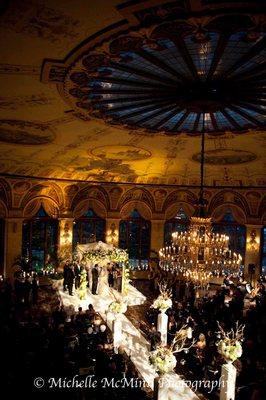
162 303
230 351
117 307
163 360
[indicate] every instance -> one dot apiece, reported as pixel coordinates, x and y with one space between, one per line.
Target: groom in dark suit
95 278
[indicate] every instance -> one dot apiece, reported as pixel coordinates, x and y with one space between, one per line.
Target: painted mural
226 156
120 152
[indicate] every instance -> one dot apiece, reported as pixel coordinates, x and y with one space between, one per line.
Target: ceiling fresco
84 101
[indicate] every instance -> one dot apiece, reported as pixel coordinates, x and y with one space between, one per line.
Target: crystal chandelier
199 253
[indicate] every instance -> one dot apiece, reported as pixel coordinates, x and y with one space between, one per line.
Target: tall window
89 227
177 224
235 231
263 251
2 245
39 240
135 236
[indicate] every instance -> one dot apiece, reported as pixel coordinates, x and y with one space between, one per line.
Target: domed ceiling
166 81
117 92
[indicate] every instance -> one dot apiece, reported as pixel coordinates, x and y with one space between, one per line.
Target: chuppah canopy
100 252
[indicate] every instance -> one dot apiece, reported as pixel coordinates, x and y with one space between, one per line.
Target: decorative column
13 243
252 255
162 325
65 249
157 234
117 332
228 382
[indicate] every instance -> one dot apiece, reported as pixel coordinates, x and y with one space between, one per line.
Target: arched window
39 239
135 236
263 251
177 224
89 227
236 232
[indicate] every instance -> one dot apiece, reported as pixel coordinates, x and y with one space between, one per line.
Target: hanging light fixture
199 253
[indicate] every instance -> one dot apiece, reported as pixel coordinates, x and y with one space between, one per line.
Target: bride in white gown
103 280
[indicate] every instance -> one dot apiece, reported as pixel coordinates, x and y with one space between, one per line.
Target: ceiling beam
130 82
126 99
214 122
181 46
125 91
244 114
253 51
251 72
160 64
231 119
148 102
145 109
166 118
141 72
153 115
180 121
250 106
221 45
196 123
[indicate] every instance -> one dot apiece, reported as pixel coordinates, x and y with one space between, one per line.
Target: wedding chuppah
105 265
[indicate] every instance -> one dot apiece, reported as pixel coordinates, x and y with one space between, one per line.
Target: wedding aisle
134 343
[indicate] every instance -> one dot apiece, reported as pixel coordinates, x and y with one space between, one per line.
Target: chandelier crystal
199 253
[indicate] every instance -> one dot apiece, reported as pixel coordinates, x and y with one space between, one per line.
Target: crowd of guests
57 343
227 305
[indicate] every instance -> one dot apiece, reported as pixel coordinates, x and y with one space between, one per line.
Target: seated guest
102 336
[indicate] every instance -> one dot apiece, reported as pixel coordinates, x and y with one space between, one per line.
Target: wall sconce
253 242
112 234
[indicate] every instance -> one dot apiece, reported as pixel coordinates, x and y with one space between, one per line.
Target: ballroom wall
20 199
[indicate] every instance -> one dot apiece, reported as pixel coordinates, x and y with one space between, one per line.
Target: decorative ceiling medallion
226 156
25 132
121 152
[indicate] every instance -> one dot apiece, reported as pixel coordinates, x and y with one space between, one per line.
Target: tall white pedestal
162 325
117 332
228 382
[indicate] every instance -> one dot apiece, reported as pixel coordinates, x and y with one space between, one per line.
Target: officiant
95 278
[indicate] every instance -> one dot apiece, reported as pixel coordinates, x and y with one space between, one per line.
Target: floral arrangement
229 346
117 307
126 279
163 302
163 360
83 285
115 255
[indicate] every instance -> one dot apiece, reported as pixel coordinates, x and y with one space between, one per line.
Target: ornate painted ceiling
112 91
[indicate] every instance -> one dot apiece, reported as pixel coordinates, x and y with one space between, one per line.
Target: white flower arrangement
117 307
229 346
230 352
115 255
163 360
162 303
